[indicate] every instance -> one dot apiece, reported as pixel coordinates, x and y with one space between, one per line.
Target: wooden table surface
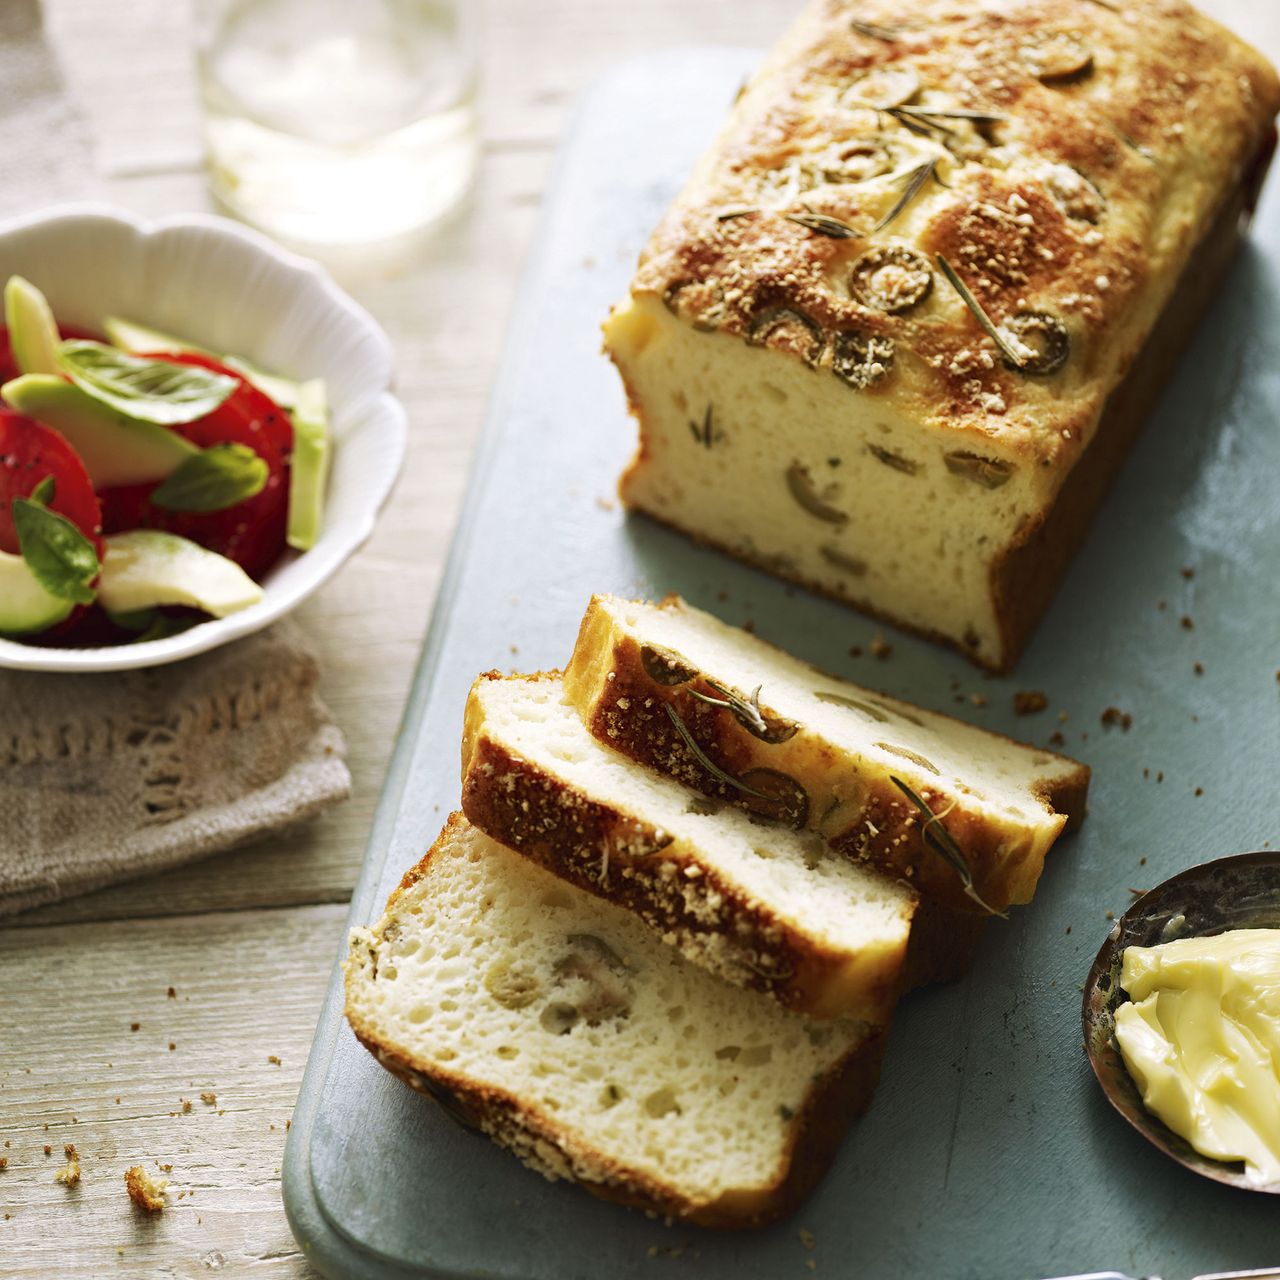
246 941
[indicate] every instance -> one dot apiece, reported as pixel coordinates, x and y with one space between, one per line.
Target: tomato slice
29 453
252 533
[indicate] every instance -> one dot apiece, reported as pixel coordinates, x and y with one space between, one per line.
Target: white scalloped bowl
230 289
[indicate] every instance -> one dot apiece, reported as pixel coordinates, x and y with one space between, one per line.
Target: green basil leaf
218 477
149 390
61 558
44 491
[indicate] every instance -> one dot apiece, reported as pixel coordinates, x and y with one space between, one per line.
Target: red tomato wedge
28 453
252 533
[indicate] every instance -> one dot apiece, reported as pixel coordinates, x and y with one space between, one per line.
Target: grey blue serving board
989 1151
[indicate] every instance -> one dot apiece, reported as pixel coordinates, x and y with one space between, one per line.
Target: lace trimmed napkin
108 777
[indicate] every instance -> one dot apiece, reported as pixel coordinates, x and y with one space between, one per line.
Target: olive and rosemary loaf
965 815
756 903
565 1030
895 336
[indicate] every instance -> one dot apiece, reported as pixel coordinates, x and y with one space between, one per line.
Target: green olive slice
886 87
861 359
1057 55
1074 194
800 483
991 473
859 162
893 460
665 666
1045 336
698 301
891 278
780 797
789 329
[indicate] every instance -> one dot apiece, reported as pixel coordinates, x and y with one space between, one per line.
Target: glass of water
338 122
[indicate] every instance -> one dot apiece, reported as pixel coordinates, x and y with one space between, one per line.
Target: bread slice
836 746
758 904
565 1030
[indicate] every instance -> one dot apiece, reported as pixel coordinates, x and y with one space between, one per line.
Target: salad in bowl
163 487
145 483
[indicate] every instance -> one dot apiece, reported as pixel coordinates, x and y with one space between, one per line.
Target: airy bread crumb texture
566 1030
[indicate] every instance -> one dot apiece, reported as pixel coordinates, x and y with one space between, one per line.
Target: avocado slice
309 466
115 449
33 332
146 567
138 339
25 606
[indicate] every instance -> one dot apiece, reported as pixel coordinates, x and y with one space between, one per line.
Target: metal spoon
1240 892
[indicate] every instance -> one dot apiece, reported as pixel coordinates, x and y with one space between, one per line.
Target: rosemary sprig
705 434
823 224
735 702
927 121
705 760
1145 152
916 179
1015 357
936 835
874 31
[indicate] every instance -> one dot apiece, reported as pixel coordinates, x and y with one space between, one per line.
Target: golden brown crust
613 856
1114 137
833 1101
863 816
1023 581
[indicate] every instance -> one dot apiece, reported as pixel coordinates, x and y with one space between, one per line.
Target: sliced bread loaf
565 1030
714 707
755 902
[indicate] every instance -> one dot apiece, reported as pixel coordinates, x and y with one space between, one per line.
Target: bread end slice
559 1026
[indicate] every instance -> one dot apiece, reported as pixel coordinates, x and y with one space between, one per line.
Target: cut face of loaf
875 344
758 904
837 745
565 1030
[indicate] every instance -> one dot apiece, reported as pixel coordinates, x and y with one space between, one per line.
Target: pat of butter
1201 1037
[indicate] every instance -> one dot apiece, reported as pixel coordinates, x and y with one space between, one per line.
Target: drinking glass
338 122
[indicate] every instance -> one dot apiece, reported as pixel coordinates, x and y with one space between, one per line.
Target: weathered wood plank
247 986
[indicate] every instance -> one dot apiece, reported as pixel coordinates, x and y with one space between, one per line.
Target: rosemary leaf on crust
873 30
915 180
1016 358
705 760
939 838
823 224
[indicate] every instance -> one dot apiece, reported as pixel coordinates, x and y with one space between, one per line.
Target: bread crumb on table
807 1238
186 1106
273 1059
145 1191
70 1176
1113 715
1029 702
209 1098
879 646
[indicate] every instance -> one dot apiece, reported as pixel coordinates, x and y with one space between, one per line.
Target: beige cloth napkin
107 777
